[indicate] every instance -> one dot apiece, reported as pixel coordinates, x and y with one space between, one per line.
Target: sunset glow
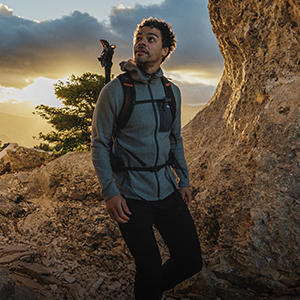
54 40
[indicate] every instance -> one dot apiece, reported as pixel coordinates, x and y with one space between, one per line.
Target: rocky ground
58 242
56 239
68 250
71 250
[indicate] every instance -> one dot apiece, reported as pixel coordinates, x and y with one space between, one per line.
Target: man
144 192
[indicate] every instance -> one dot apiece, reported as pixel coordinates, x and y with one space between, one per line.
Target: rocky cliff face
243 148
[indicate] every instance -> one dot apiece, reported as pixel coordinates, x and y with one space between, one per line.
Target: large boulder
71 176
243 148
15 158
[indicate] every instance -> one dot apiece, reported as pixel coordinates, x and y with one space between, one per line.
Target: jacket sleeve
104 117
177 144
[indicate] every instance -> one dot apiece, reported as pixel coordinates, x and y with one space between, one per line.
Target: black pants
175 224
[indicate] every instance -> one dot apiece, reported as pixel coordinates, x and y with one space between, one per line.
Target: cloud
51 49
197 46
195 94
5 11
70 45
16 108
41 91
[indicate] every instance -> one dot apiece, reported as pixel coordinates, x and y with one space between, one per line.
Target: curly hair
167 34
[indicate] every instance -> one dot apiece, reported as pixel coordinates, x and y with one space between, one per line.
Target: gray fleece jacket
147 135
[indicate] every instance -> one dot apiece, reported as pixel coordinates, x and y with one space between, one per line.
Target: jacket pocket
165 116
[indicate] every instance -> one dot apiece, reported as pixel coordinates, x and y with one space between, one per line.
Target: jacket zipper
155 139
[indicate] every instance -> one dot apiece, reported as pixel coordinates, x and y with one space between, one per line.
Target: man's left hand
186 195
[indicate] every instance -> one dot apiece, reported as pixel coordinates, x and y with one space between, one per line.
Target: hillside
16 129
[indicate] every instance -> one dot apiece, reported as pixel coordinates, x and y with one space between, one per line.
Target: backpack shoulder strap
169 94
129 97
128 100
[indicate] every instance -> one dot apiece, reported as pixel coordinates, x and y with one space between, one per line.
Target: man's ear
165 51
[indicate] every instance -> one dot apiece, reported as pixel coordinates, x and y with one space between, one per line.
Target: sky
44 41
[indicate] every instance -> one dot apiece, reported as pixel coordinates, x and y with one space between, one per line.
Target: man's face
148 50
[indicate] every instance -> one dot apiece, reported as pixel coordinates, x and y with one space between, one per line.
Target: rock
15 256
9 249
32 289
243 149
15 158
6 285
75 290
71 176
69 278
113 286
8 207
97 284
31 269
233 293
53 287
22 292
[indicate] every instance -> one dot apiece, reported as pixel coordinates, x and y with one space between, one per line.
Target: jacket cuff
110 191
184 181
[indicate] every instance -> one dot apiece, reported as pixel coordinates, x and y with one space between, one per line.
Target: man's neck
147 69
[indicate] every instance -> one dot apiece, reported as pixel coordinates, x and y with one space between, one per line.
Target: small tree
72 121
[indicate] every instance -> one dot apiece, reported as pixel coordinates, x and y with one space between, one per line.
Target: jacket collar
137 74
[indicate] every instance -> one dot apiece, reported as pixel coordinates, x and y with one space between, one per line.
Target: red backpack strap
129 100
130 95
169 94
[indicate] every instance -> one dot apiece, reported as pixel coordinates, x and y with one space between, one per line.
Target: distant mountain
21 130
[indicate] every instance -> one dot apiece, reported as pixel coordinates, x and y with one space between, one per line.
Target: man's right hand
118 209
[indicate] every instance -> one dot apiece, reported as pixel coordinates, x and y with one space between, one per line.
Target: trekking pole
106 58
